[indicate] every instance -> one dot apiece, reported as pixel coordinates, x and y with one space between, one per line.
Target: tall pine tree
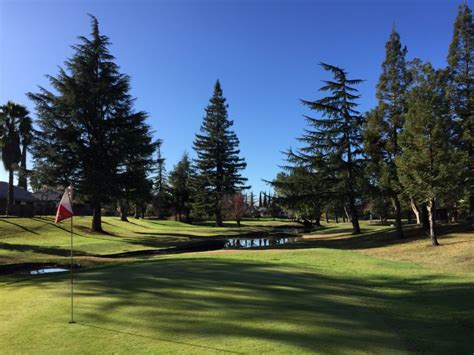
86 124
333 143
385 123
218 163
461 91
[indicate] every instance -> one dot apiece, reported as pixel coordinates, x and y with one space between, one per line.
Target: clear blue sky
264 52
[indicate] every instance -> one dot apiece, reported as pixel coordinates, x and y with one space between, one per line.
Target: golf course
239 176
328 292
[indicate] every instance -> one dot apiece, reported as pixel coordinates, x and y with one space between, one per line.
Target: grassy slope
40 240
356 298
256 301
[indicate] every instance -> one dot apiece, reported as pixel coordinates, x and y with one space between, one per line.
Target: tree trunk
97 217
425 223
123 211
10 196
431 208
318 222
336 218
143 209
327 217
416 210
219 218
354 218
398 217
22 174
136 214
346 212
455 215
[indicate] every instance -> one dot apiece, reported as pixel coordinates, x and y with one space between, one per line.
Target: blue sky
265 53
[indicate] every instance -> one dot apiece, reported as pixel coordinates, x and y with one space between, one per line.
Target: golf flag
65 206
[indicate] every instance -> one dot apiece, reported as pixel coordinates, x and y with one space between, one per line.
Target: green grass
286 301
329 293
40 240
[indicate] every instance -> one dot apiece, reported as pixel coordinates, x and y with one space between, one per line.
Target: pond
259 242
47 270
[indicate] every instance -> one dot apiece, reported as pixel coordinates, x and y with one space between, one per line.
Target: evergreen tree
429 159
162 198
333 143
85 124
385 123
260 201
461 90
299 192
252 200
218 162
135 185
181 188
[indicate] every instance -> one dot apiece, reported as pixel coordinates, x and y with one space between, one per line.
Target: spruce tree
461 91
86 124
218 163
333 143
429 167
385 123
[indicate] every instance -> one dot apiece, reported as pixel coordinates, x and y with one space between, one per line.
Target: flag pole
72 278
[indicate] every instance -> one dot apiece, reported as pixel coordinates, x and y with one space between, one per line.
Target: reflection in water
48 270
243 243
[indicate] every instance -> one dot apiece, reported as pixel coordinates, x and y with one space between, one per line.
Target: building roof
18 193
49 196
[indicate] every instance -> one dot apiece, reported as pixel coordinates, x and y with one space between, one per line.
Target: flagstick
72 280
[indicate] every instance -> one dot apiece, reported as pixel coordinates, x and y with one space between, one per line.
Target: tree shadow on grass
251 306
4 220
50 222
174 342
340 239
53 251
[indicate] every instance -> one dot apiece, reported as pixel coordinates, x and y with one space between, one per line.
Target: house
47 202
24 201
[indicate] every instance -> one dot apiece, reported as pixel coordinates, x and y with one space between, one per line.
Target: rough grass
455 253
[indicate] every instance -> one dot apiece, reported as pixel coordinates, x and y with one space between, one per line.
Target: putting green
287 301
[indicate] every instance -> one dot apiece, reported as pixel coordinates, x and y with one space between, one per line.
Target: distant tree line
414 150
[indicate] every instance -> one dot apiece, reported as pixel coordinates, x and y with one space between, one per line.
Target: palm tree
25 128
10 144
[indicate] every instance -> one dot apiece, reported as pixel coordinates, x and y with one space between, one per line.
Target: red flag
65 206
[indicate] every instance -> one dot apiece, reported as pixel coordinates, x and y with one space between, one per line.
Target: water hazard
48 270
259 242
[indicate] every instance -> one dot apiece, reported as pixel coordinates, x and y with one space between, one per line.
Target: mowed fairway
286 301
